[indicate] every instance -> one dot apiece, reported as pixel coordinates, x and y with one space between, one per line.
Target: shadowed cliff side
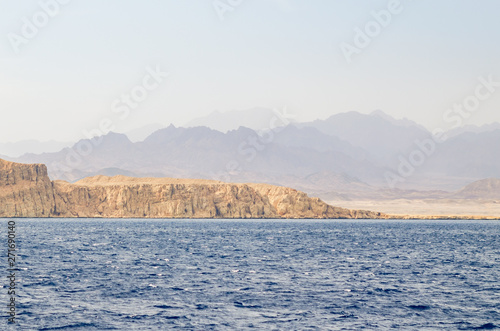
26 191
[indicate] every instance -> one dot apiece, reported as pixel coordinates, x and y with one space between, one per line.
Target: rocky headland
27 191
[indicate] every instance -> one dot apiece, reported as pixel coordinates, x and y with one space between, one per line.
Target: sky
69 67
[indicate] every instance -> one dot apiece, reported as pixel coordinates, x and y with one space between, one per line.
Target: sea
88 274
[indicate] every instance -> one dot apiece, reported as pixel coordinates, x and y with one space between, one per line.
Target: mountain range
343 156
258 118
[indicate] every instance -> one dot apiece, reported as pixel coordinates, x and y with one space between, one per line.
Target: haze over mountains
15 149
255 118
483 189
344 156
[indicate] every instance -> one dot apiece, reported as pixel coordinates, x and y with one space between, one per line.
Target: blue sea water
83 274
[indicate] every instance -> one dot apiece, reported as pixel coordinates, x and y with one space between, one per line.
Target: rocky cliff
26 191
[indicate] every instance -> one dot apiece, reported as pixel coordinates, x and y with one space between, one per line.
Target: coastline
389 217
26 191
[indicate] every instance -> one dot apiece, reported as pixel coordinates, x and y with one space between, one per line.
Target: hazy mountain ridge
483 189
345 156
381 138
195 152
142 133
468 155
473 129
258 118
399 122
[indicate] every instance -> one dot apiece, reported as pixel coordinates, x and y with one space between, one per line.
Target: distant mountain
470 156
398 122
308 137
482 189
239 155
142 133
255 119
86 156
15 149
346 155
267 158
384 138
473 129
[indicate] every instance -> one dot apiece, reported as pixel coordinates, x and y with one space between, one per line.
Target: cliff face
290 203
160 201
26 191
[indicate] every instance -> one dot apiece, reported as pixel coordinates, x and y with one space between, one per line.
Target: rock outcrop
27 191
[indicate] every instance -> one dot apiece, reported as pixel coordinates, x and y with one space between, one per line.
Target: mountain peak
113 137
380 113
141 133
257 118
488 188
400 122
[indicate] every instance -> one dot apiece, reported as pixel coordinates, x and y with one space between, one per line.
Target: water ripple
237 275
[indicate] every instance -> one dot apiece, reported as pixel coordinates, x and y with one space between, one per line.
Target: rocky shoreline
26 191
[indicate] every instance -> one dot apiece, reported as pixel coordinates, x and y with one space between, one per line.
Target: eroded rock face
26 191
161 201
290 203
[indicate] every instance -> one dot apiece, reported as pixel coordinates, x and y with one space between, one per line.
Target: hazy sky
72 73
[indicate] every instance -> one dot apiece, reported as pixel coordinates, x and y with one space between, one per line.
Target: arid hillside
27 191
